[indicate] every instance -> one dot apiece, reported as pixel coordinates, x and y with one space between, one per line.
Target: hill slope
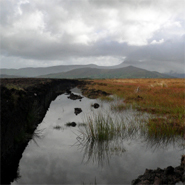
33 72
9 76
125 72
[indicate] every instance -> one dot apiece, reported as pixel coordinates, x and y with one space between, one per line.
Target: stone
96 105
169 170
71 124
169 175
78 111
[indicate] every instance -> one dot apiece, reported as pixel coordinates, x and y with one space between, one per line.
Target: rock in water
78 111
96 105
71 124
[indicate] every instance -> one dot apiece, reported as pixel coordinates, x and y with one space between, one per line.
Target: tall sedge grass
108 126
105 132
101 127
102 137
107 98
111 125
160 126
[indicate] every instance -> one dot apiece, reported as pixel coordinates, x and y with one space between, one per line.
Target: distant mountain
176 75
91 71
166 67
33 72
125 72
9 76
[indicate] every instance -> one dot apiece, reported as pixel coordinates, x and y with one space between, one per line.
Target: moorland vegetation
164 98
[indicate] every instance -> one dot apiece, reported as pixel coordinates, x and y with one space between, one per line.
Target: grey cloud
47 31
170 50
38 48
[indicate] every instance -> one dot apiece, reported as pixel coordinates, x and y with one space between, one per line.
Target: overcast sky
37 33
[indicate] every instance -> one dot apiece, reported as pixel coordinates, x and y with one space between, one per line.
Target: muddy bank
24 103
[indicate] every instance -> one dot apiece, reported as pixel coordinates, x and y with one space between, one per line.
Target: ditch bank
24 103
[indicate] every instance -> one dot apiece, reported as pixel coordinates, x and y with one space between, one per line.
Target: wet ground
59 154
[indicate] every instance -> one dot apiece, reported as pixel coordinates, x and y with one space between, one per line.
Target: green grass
110 126
107 98
164 127
101 127
104 133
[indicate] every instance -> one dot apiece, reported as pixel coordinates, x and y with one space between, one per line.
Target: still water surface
58 157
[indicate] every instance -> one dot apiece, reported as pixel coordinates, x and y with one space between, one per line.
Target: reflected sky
58 158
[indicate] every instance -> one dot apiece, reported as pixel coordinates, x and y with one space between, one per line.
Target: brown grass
164 97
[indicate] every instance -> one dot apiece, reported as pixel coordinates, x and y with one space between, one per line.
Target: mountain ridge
55 70
125 72
34 72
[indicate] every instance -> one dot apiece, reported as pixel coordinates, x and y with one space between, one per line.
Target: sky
41 33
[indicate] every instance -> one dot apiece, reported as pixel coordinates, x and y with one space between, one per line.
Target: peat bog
133 126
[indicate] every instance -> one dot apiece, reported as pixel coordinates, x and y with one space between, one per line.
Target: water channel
57 154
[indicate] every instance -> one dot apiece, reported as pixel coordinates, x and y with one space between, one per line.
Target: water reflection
106 132
162 141
63 156
99 152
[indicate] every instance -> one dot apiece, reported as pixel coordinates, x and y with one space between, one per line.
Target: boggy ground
22 98
162 97
165 98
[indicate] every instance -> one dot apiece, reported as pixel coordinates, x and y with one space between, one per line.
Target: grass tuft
102 127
